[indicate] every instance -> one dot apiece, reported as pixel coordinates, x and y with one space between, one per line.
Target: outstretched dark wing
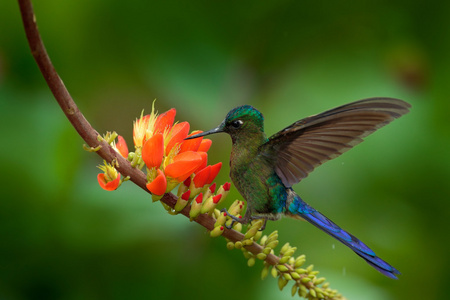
308 143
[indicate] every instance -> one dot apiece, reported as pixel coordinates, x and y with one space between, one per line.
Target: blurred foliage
62 237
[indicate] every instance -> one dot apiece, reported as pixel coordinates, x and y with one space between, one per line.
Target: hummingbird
265 169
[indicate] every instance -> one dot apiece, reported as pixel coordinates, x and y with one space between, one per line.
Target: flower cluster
161 147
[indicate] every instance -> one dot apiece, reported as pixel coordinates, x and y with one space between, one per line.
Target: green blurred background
62 237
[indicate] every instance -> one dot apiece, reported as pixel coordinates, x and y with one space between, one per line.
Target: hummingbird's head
244 121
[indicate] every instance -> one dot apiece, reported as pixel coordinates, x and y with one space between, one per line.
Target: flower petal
202 176
214 171
183 165
217 198
191 145
204 157
212 188
108 186
186 195
165 121
199 198
204 145
178 133
158 185
153 151
121 146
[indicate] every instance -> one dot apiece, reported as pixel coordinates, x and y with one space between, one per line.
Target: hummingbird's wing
308 143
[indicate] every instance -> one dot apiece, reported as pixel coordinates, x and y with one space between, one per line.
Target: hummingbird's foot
260 217
233 217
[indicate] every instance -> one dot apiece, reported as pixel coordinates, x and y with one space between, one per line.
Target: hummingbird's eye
236 124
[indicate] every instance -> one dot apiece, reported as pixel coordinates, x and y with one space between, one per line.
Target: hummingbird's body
264 169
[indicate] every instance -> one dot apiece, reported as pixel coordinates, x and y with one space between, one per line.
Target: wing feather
301 147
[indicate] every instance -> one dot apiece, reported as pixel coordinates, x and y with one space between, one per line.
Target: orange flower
158 185
183 165
153 151
161 146
110 179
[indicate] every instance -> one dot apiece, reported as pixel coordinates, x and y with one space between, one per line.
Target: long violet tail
300 208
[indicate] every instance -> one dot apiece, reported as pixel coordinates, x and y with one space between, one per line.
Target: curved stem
89 134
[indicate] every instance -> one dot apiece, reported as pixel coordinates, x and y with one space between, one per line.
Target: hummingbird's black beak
212 131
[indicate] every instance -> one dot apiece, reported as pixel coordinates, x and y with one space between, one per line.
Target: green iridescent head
242 120
246 114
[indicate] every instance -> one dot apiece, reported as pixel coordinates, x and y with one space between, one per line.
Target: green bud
208 205
273 236
282 268
290 251
217 231
283 260
251 232
299 261
281 283
319 280
230 245
263 240
284 248
247 242
305 279
257 235
272 244
287 276
300 271
319 294
274 272
261 256
291 261
267 250
195 210
294 290
247 254
237 226
251 261
221 218
302 293
265 272
181 203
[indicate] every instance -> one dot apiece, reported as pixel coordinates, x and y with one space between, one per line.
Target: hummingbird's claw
233 217
260 217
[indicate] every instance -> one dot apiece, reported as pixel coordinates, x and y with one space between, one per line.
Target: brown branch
89 134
